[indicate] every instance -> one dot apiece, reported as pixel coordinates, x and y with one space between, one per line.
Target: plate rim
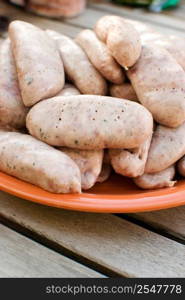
102 203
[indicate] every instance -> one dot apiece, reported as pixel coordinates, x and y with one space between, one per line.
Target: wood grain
109 241
22 257
170 221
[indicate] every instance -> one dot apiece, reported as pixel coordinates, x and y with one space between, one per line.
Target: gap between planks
106 242
22 257
161 222
52 245
170 221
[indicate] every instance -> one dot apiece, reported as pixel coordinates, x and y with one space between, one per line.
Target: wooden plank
179 12
166 19
15 13
170 221
22 257
89 18
109 241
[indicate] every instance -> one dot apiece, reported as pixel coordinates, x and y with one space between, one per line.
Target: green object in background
154 5
158 5
133 2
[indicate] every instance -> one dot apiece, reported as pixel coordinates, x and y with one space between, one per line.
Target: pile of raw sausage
71 111
53 8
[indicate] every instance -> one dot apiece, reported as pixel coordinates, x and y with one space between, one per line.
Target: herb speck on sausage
29 80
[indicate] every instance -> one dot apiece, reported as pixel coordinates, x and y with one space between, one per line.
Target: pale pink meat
159 83
121 38
89 122
12 110
167 147
77 66
100 56
33 161
124 91
130 162
105 173
57 8
39 66
68 90
174 44
89 163
157 180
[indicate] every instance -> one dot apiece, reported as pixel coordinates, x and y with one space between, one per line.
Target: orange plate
118 194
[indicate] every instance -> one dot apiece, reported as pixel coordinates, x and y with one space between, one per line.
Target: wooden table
38 241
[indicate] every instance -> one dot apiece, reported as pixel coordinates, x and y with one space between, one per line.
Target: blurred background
71 8
83 13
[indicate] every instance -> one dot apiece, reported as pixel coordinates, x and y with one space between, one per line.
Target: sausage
181 166
175 45
91 122
105 173
39 66
156 180
124 91
78 67
121 38
18 2
147 32
12 110
33 161
159 84
100 56
167 146
89 163
106 168
68 90
130 162
56 8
